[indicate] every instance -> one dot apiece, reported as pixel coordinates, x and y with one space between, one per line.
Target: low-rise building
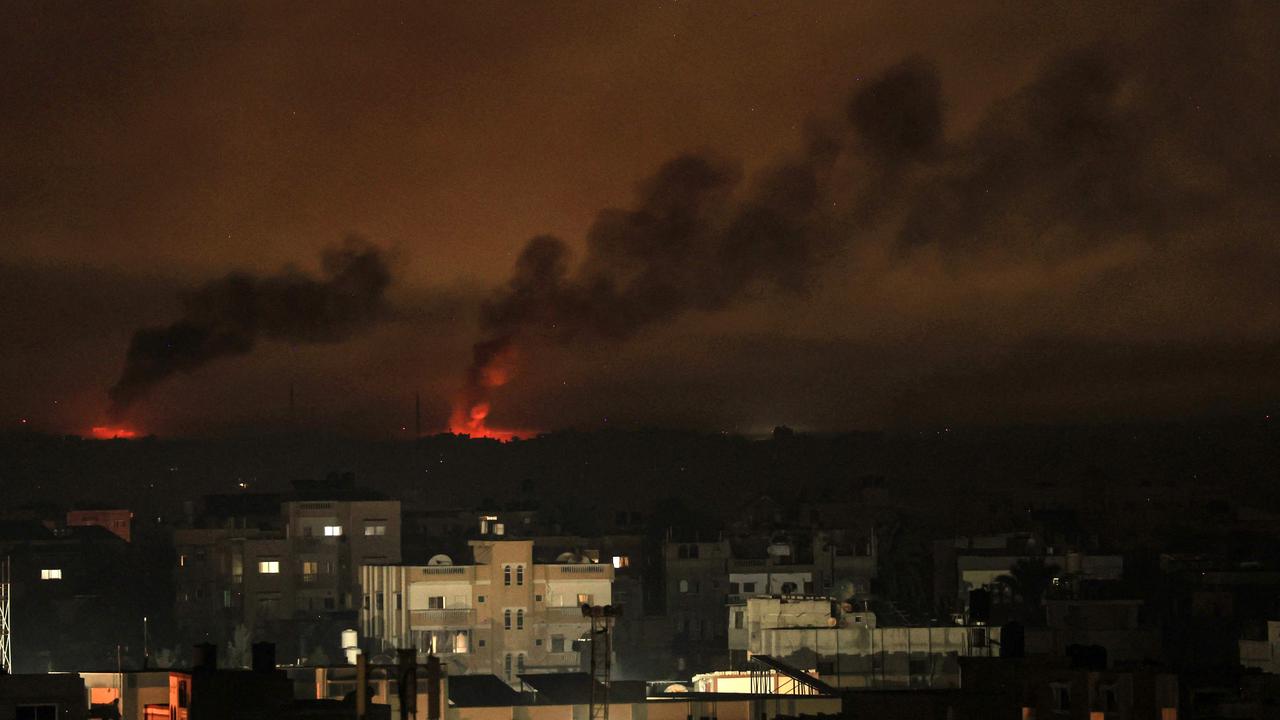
842 643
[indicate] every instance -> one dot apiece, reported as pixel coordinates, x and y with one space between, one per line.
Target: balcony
562 615
460 617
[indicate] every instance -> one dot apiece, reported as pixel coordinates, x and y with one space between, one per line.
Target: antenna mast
6 618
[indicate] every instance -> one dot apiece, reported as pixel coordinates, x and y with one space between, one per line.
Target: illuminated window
584 599
621 561
51 574
332 530
375 530
520 619
519 574
182 561
461 641
269 567
684 586
310 568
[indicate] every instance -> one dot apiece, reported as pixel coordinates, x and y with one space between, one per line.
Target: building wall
514 615
118 522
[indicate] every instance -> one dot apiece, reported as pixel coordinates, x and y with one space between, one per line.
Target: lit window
182 561
310 568
621 561
584 599
269 567
519 574
332 530
375 530
51 574
684 586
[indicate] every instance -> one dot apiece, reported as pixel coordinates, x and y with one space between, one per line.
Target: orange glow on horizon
471 421
103 432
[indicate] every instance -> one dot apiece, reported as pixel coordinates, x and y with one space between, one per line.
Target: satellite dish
570 558
441 559
675 688
844 590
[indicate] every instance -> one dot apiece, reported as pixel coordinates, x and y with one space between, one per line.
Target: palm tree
1028 580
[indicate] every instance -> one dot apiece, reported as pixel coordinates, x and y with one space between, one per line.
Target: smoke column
229 316
1153 137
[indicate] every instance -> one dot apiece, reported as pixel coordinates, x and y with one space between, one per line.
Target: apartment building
503 614
292 575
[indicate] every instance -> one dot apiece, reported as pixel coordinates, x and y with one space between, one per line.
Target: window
332 530
51 574
520 619
693 551
506 574
269 567
375 529
738 619
226 598
557 643
519 574
36 712
1110 698
506 619
182 561
748 587
684 586
621 561
537 598
330 603
480 598
506 665
584 599
1061 693
310 568
461 641
520 663
435 602
378 603
734 588
399 601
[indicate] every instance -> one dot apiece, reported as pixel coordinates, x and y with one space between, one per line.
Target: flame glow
493 367
103 432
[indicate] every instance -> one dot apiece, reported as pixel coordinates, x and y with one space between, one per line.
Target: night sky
718 216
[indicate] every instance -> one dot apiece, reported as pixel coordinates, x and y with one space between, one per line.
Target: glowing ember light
103 432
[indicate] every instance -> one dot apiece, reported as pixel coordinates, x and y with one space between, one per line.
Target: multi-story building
842 642
697 588
503 614
292 576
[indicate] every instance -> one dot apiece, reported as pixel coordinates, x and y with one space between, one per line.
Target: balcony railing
457 617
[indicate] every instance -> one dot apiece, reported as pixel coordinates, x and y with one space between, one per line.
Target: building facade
504 614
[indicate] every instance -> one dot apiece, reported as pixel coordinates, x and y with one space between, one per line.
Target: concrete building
844 646
42 697
119 522
504 614
1263 654
697 588
294 574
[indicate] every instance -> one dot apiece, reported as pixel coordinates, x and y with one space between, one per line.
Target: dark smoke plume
1164 132
228 317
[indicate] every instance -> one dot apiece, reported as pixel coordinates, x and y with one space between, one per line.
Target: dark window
506 577
738 619
734 588
519 574
693 551
748 587
37 712
506 619
520 619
